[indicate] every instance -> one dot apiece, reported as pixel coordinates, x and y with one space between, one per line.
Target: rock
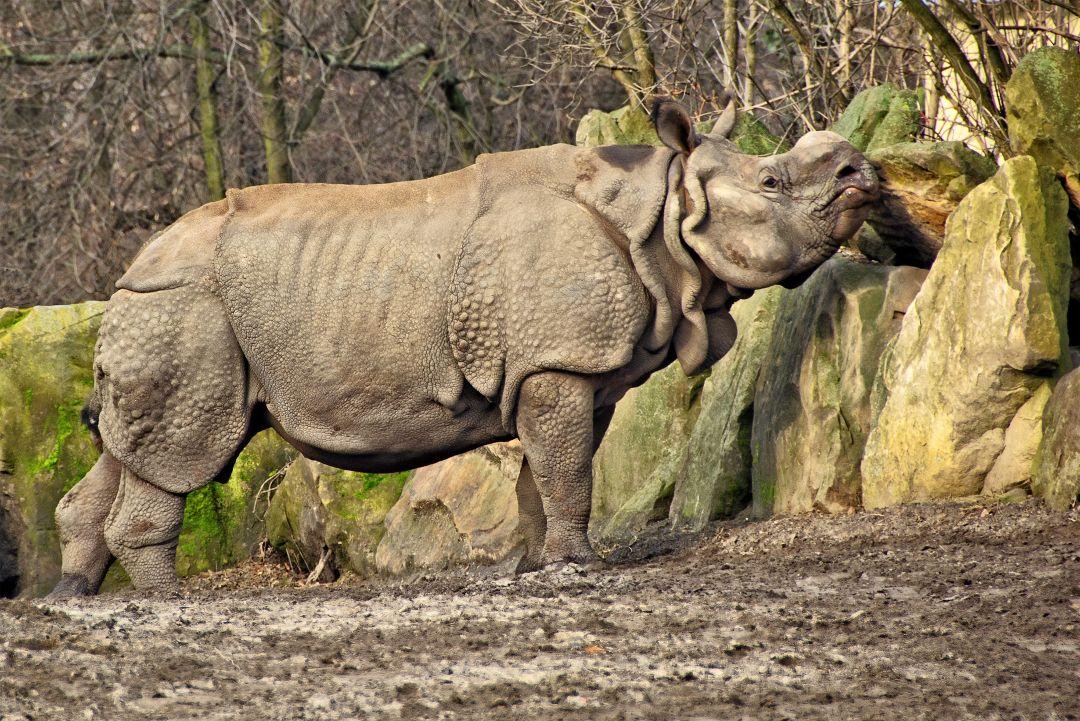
635 468
321 510
879 117
45 378
1014 467
870 244
714 480
1042 101
1057 462
987 328
921 185
223 522
812 408
753 138
461 510
626 126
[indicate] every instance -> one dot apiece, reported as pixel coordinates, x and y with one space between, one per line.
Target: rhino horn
726 123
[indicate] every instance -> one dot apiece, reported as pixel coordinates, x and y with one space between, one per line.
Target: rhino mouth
853 197
850 204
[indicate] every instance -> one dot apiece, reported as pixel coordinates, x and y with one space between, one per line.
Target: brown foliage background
103 140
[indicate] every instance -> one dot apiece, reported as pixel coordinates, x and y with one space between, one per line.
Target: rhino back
337 295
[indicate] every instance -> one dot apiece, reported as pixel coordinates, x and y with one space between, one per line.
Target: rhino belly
345 330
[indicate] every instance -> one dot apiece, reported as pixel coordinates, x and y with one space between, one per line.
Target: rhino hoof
71 585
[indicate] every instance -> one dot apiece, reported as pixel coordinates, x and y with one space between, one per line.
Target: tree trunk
206 98
750 53
731 44
643 54
980 94
271 72
845 22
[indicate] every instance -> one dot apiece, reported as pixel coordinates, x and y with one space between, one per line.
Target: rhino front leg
555 424
80 521
142 532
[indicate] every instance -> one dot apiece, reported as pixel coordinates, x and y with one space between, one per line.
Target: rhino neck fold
673 277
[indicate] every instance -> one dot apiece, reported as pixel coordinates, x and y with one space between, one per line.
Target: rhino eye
770 182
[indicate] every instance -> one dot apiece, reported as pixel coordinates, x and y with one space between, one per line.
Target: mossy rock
223 521
879 117
638 462
1042 101
812 408
714 480
753 138
986 331
320 510
46 355
630 126
624 126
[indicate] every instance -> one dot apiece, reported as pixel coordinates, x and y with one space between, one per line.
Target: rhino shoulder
179 255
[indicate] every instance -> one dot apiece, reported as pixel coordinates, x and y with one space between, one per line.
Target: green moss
222 522
67 422
203 540
880 116
1042 100
9 317
45 376
753 138
901 122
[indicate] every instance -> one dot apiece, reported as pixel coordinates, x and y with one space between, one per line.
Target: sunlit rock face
985 332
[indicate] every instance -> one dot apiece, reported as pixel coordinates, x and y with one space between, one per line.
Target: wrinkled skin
381 328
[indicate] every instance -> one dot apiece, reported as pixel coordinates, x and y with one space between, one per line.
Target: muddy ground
930 612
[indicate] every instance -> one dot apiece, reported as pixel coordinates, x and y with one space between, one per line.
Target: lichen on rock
879 117
714 479
986 330
921 185
812 408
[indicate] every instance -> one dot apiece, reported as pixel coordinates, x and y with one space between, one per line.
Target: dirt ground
929 612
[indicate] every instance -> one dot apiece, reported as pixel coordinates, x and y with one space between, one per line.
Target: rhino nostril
846 171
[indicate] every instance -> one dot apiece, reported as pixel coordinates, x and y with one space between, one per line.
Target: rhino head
760 221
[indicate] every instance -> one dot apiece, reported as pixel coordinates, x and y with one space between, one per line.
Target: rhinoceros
385 327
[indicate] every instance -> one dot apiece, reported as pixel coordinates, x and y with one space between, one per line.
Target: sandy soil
930 612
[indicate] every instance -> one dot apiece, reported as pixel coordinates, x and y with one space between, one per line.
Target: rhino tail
91 412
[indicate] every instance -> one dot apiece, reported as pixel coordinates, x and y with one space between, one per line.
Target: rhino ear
726 123
674 126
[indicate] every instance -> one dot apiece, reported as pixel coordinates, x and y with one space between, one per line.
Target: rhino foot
71 585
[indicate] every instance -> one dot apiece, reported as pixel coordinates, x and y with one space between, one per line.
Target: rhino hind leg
142 531
80 520
531 520
555 424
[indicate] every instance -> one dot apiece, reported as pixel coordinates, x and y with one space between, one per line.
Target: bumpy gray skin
381 328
